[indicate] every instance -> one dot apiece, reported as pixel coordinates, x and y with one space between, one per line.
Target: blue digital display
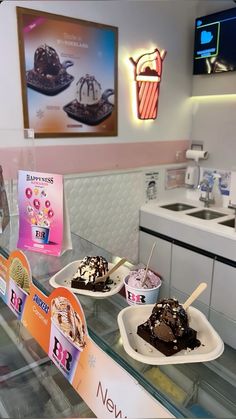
214 48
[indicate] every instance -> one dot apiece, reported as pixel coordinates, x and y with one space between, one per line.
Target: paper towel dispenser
191 177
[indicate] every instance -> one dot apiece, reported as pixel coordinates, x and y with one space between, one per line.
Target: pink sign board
40 201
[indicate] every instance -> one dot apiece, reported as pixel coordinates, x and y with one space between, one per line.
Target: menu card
43 215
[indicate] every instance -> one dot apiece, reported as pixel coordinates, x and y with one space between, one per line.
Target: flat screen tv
214 46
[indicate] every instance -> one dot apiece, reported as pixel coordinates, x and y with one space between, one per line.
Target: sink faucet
206 199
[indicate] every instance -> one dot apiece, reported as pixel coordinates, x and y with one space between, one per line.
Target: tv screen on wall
214 45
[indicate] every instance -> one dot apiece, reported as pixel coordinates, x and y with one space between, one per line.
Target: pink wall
90 158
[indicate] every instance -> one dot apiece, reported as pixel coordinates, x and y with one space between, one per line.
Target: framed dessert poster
68 75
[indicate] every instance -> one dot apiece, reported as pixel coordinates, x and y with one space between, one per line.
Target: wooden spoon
201 287
111 271
148 263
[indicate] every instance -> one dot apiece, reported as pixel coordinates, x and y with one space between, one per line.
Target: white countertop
205 234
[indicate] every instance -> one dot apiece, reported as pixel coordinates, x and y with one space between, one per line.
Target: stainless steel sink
206 214
229 223
177 206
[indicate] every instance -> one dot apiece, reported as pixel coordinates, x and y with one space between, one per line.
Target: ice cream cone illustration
147 75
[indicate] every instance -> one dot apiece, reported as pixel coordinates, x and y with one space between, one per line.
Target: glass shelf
188 390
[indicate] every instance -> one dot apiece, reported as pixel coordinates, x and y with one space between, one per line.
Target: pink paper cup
140 296
16 299
63 352
40 234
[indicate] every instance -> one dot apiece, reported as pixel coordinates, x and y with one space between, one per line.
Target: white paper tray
64 276
131 317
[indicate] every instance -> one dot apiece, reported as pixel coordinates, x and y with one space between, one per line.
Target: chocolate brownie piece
169 348
167 328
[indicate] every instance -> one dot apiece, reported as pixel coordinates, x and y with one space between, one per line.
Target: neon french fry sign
147 76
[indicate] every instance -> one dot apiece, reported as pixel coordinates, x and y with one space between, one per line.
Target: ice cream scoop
136 279
169 320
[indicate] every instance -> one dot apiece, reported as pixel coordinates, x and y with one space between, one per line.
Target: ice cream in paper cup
139 292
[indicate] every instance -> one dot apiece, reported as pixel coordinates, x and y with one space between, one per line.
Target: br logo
40 234
136 298
63 356
16 302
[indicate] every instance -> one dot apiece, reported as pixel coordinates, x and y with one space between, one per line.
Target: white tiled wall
105 210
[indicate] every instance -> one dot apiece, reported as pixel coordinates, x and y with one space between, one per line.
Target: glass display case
31 385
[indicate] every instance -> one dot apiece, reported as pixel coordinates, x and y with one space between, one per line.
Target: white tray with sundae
166 333
91 276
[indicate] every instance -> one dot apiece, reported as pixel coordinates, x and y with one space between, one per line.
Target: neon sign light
147 75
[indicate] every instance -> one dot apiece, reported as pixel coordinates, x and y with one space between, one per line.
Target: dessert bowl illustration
39 214
49 76
67 337
90 105
40 234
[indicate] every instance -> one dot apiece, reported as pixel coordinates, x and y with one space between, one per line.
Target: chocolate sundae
90 105
88 273
167 329
48 76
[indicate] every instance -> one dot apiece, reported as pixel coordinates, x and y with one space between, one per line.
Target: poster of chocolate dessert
68 75
4 208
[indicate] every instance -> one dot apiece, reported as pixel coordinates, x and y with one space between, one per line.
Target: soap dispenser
216 191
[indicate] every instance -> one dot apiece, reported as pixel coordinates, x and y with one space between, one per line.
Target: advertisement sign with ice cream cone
147 75
41 212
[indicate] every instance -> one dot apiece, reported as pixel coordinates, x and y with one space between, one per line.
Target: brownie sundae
167 329
88 273
49 75
90 105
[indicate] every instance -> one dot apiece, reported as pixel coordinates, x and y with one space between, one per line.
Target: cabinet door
160 261
224 289
188 269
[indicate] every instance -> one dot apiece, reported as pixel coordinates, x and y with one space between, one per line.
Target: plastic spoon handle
104 277
147 266
201 287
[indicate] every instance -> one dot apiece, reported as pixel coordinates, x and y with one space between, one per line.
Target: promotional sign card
4 209
43 216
